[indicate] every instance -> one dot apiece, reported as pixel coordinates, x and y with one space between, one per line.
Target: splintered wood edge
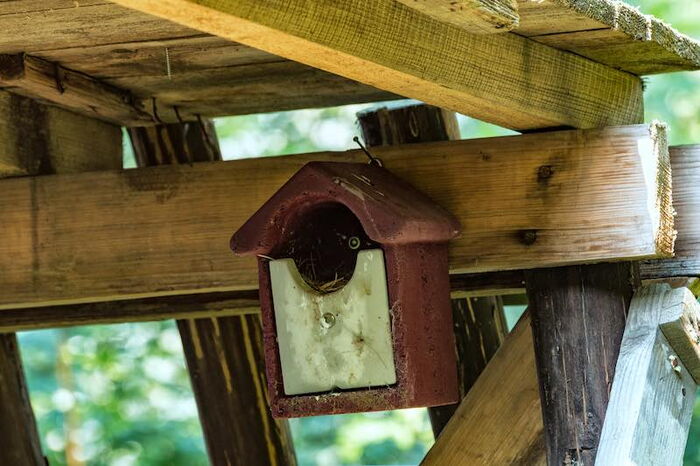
629 20
661 206
683 334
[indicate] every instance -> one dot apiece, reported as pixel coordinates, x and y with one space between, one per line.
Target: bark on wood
224 355
406 52
163 223
653 393
578 318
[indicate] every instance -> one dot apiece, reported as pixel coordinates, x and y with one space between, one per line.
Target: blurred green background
119 395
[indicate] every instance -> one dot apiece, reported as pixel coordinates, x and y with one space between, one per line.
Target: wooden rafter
399 49
157 231
477 17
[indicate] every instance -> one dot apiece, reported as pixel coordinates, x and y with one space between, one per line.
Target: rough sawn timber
475 16
155 231
500 78
653 393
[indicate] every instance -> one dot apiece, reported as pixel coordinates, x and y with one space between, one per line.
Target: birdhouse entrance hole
324 241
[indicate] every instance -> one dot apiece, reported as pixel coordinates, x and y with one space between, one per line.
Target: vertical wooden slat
39 140
224 355
478 322
578 318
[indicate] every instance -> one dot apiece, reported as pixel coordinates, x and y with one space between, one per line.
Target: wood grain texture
224 355
226 364
396 48
37 139
685 169
499 421
683 336
150 232
578 318
479 322
609 32
20 438
653 394
475 16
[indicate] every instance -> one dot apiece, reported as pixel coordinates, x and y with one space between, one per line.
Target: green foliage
120 395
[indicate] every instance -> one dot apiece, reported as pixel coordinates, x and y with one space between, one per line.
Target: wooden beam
396 48
685 167
479 322
500 420
37 140
653 393
206 305
477 17
21 445
569 197
224 355
578 317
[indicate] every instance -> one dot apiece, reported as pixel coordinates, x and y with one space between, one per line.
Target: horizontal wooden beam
475 16
500 419
542 200
504 79
685 167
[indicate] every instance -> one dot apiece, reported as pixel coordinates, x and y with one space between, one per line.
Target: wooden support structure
224 355
479 321
146 232
500 419
656 379
578 317
39 140
404 51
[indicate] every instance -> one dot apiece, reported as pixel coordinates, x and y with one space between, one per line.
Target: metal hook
372 159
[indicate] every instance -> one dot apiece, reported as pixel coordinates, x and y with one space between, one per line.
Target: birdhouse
354 292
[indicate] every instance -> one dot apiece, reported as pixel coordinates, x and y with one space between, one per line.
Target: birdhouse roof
391 211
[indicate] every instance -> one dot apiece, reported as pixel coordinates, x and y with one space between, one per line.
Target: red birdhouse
354 292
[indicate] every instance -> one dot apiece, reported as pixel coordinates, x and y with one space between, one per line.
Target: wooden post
479 321
40 140
224 355
578 318
653 394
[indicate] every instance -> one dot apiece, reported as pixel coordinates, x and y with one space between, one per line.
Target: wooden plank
477 17
396 48
479 322
205 305
164 230
685 169
224 355
500 420
610 32
578 318
682 335
40 139
653 394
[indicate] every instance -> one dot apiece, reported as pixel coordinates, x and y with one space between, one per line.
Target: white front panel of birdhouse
334 340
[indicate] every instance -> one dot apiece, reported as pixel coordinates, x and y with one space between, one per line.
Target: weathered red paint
413 232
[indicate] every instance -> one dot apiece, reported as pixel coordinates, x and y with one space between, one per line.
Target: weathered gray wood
653 393
578 318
